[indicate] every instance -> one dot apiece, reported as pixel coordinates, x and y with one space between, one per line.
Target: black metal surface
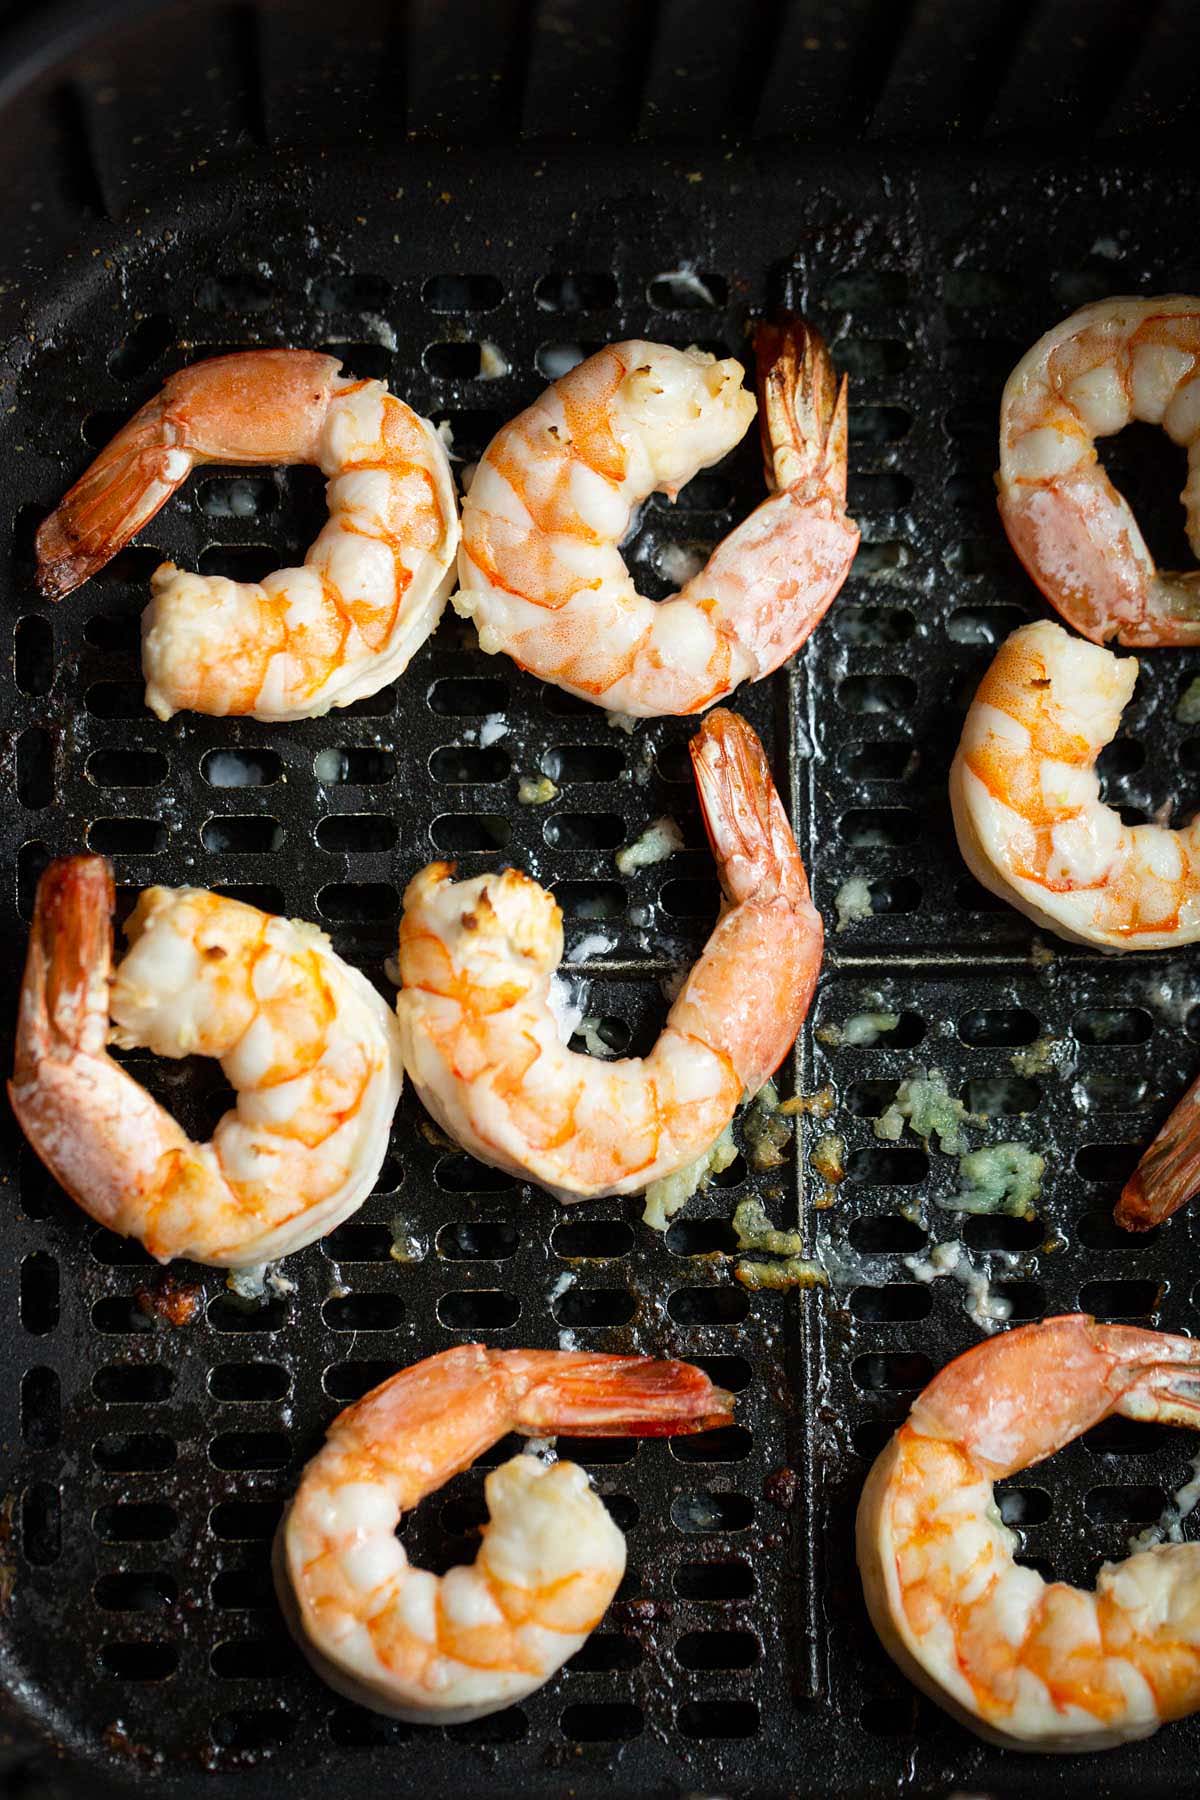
144 1463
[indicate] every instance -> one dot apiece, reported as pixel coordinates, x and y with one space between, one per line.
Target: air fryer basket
404 186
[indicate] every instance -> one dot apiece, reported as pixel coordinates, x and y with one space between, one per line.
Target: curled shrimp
1027 809
540 570
1169 1172
1026 1663
308 1044
1111 362
372 586
481 1041
442 1649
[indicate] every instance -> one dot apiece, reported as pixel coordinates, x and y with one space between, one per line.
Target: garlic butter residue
493 364
1000 1178
679 562
790 1269
252 1283
791 1272
594 1040
595 943
659 841
1168 1527
1045 1056
568 999
685 287
248 1283
664 1198
754 1231
828 1158
536 790
859 1032
817 1105
1187 707
766 1131
329 767
622 721
925 1103
407 1245
852 902
544 1448
987 1309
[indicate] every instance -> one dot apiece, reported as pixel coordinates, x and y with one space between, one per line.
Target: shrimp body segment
443 1649
482 1044
308 1044
372 586
1027 809
1111 362
541 572
1025 1663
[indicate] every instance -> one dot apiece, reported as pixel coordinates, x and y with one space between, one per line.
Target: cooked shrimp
1111 362
482 1045
540 570
1026 798
372 587
442 1649
308 1044
1030 1664
1169 1172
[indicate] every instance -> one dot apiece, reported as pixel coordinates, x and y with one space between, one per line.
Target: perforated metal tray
145 1462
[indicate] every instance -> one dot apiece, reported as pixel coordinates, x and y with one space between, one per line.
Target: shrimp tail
616 1396
803 418
255 406
747 827
96 1131
1169 1172
64 996
1057 1379
113 499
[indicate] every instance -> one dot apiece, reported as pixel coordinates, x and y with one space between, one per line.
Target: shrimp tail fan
803 415
113 499
1169 1172
747 826
623 1396
70 949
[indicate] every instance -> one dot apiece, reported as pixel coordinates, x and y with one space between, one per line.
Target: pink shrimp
372 586
540 570
1111 362
482 1044
310 1047
444 1648
1031 1664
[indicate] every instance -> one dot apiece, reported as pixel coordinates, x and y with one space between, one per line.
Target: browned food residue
828 1158
782 1488
813 1106
118 1739
173 1301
